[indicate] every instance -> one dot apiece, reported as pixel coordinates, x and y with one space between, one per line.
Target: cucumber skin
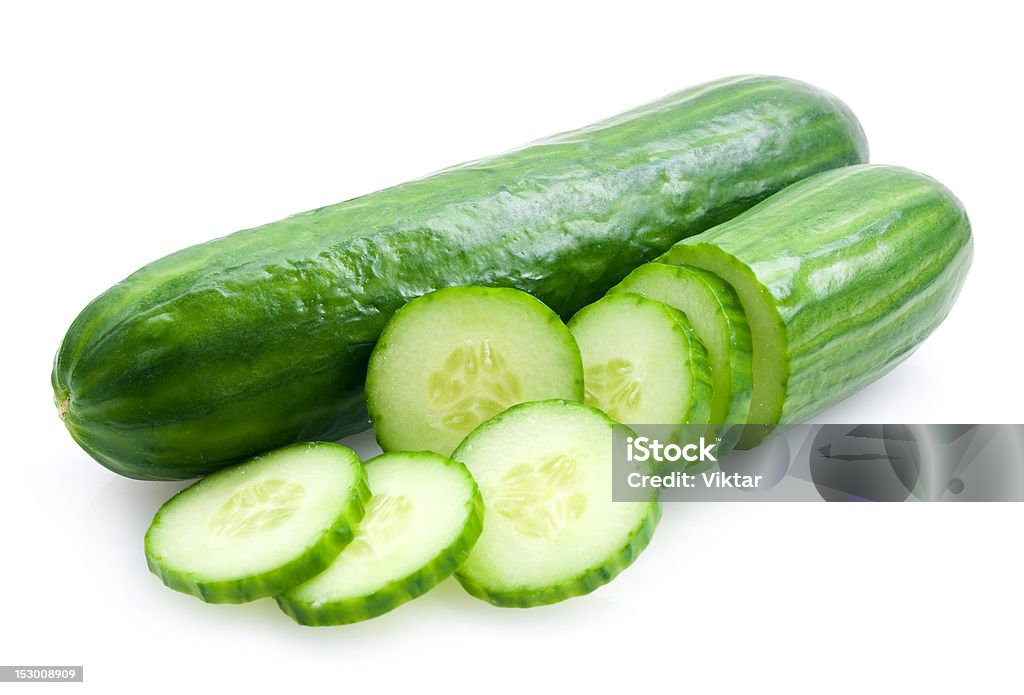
261 338
311 563
592 578
399 591
740 378
846 314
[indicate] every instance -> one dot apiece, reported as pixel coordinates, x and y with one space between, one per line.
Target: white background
129 131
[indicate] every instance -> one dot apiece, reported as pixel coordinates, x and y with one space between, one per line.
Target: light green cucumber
841 276
422 521
551 528
642 362
717 317
451 359
259 527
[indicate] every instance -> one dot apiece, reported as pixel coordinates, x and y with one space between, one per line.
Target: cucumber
451 359
261 338
642 362
717 318
423 519
841 277
551 529
258 528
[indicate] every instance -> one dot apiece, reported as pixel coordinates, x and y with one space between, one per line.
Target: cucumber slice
551 530
260 527
451 359
643 363
423 519
717 318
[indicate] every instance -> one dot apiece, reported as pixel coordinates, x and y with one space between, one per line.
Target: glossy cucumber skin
261 338
857 265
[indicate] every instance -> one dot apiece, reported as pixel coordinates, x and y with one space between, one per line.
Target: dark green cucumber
841 277
261 338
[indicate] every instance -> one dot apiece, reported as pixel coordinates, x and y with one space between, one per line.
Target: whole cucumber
261 338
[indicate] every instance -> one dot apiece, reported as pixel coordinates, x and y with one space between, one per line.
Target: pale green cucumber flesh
551 528
451 359
642 362
260 527
717 317
423 519
841 275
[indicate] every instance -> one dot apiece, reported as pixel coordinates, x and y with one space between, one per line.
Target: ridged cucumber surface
261 338
551 528
423 519
451 359
642 362
260 527
842 276
716 315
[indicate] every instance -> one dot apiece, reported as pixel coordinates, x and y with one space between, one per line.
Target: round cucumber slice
451 359
717 318
260 527
551 529
422 521
643 363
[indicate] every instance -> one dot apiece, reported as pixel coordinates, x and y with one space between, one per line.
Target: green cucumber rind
314 560
399 591
381 427
260 338
740 343
590 579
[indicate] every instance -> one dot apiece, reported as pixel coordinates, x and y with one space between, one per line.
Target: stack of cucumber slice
497 418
